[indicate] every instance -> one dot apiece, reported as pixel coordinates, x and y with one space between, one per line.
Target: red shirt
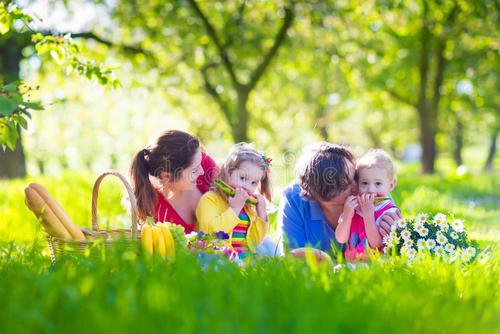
165 212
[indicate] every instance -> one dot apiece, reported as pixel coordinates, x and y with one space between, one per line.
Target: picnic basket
97 240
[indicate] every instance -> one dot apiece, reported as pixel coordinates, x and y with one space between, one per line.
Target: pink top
165 212
358 245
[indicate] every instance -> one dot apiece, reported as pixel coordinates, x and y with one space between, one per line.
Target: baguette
74 231
49 220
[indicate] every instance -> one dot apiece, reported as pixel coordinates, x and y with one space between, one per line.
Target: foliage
14 96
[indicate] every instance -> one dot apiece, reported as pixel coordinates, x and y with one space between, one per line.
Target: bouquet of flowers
433 234
216 243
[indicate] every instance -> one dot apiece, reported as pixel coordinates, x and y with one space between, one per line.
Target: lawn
132 293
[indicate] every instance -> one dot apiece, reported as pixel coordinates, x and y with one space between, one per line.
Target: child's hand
237 202
261 206
350 205
366 204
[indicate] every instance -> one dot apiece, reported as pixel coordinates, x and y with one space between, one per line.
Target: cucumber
229 191
377 200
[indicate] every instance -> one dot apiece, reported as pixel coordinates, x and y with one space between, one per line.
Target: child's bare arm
344 227
368 211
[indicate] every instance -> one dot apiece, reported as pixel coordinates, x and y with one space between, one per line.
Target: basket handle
133 202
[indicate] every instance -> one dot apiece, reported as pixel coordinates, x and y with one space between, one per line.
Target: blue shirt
302 222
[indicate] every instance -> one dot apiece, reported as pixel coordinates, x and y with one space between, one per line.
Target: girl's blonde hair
243 152
377 158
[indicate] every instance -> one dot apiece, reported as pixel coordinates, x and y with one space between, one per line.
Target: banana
62 216
158 242
169 241
147 238
44 213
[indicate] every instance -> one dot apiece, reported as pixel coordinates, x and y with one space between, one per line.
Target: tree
231 46
15 103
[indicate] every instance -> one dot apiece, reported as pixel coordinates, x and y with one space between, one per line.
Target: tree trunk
12 163
459 142
488 166
428 142
427 132
240 128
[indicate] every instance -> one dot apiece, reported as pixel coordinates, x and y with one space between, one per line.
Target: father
310 208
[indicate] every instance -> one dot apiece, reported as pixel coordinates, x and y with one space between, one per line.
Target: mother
170 177
310 208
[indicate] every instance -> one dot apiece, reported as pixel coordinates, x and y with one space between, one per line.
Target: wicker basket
97 239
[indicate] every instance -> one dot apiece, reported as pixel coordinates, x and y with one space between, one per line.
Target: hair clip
267 162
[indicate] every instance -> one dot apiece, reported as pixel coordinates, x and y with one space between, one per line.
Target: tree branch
129 48
212 34
279 39
238 22
209 87
441 60
400 97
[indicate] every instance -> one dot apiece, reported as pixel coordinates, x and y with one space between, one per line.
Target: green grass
129 293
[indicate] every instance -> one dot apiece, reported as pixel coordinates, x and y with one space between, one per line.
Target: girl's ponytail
143 189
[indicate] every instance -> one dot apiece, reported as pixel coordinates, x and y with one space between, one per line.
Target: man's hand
387 220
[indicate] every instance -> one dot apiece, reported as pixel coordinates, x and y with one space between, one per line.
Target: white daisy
444 227
483 256
471 251
454 235
454 256
441 239
439 219
421 217
408 243
389 241
457 225
421 244
393 235
405 234
430 243
394 228
423 231
464 257
449 248
439 251
410 252
418 226
401 223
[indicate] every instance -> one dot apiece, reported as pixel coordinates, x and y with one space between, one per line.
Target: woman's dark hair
323 172
172 153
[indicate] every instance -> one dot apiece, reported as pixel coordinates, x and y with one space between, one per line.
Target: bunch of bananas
157 239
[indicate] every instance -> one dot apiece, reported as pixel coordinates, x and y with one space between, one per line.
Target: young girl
358 222
248 171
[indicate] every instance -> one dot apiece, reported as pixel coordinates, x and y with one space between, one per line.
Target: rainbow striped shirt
239 238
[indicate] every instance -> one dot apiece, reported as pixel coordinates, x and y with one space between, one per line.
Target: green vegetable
377 200
230 191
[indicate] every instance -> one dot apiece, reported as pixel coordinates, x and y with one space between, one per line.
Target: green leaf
7 105
11 87
33 105
23 122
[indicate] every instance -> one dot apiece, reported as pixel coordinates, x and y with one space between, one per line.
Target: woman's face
188 177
